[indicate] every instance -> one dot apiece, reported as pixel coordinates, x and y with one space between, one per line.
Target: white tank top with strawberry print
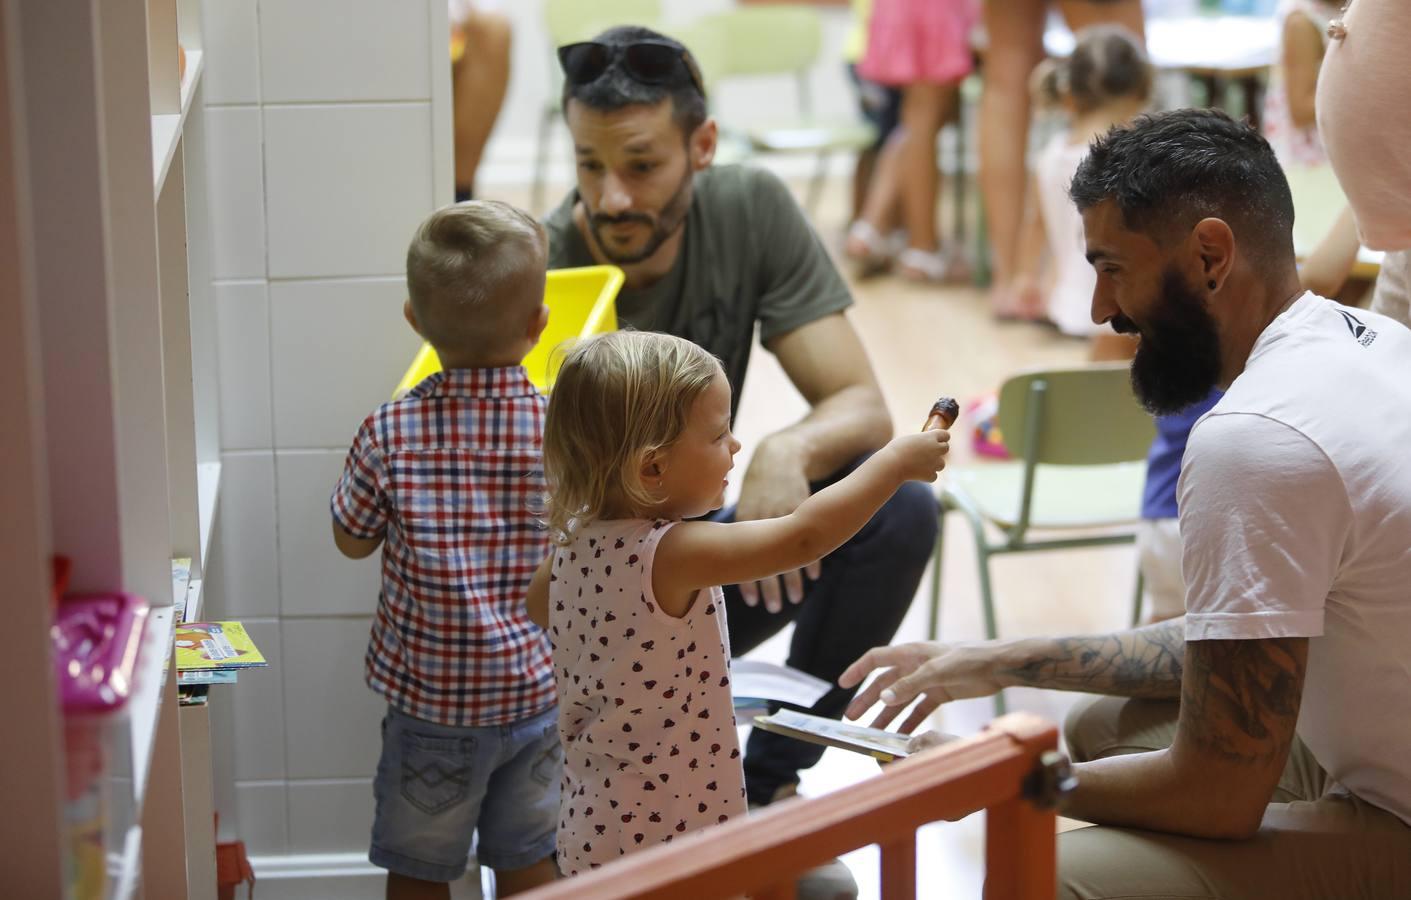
645 713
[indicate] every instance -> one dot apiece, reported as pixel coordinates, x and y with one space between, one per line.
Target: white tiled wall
242 336
326 124
339 348
346 184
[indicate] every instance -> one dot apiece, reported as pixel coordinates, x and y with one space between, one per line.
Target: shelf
207 501
166 129
195 595
145 704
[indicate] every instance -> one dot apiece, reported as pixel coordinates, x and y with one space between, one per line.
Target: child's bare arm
1326 268
354 547
537 599
1300 60
694 555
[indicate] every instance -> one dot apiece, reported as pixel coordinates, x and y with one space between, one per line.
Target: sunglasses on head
647 61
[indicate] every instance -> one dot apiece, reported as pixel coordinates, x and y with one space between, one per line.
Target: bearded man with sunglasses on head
710 253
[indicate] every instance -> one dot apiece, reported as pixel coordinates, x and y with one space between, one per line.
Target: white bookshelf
109 360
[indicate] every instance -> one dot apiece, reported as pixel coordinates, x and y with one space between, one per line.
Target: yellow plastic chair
582 302
1081 442
567 22
777 40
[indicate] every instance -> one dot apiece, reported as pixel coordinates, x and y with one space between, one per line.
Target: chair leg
1137 600
987 605
933 619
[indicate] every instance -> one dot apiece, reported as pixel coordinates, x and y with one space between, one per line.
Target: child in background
922 47
1289 121
880 105
1104 82
636 443
442 480
1290 125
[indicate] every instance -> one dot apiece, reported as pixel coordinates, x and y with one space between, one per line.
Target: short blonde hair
617 398
475 275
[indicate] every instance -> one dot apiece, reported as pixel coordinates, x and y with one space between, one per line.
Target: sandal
922 265
869 248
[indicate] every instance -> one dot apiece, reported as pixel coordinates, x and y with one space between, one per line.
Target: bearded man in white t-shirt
1261 746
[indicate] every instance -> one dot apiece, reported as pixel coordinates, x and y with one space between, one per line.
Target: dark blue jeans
857 603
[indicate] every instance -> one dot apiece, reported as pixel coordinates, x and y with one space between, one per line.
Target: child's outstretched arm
696 555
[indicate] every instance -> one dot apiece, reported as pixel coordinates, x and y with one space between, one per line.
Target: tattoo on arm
1240 699
1145 662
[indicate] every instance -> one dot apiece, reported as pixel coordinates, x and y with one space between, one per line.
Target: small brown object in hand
943 414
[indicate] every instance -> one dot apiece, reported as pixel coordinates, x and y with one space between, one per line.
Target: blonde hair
475 276
1107 64
617 398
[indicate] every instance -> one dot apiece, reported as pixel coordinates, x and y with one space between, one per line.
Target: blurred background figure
880 106
1105 81
480 74
1015 45
923 48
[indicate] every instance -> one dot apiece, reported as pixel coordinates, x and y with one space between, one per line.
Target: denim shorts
438 785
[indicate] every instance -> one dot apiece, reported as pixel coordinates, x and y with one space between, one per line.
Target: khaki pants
1317 841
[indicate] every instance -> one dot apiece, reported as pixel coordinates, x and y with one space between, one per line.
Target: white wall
329 141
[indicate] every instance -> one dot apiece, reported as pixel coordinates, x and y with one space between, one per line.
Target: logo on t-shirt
1359 329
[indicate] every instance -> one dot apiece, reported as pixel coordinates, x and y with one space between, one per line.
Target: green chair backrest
768 40
568 21
1088 416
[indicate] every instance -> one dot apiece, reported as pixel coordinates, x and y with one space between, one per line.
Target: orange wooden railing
999 770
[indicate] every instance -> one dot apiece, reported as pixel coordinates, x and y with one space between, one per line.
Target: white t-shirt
1295 499
1070 303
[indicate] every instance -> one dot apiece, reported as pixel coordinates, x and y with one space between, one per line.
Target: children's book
215 645
875 742
755 685
207 676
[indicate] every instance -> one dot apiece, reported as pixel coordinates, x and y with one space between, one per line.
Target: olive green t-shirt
748 255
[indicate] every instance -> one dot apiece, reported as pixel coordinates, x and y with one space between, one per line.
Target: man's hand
935 672
774 485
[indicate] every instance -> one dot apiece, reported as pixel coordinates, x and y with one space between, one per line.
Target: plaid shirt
451 475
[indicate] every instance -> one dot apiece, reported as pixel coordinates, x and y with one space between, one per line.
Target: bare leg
862 174
517 881
400 887
1015 29
924 109
478 84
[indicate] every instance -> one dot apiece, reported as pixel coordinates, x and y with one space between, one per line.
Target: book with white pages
755 684
875 742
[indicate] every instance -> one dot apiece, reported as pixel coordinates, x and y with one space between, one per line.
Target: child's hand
921 456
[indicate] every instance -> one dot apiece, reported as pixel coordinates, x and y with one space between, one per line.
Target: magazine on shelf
215 645
875 742
207 676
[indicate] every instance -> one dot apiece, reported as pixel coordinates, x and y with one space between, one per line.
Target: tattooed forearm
1240 699
1145 662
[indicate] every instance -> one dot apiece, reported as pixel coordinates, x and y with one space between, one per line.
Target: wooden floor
925 341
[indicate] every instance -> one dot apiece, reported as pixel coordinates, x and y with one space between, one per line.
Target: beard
663 225
1177 362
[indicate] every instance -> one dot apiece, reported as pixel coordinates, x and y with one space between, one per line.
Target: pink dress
645 713
919 41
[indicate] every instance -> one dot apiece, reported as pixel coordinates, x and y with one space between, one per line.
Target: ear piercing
1211 283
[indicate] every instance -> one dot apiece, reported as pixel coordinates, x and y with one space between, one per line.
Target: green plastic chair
566 22
1081 442
753 41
